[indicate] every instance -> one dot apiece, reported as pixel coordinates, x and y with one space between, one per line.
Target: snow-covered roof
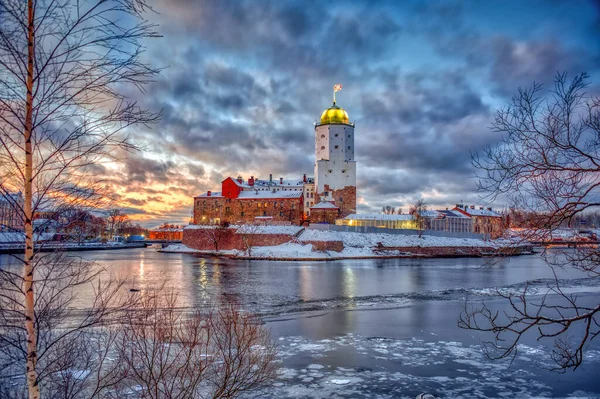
11 197
212 194
278 182
429 213
253 229
377 216
19 238
455 214
480 211
260 194
324 205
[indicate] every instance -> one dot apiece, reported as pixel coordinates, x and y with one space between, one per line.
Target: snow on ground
356 245
251 229
351 239
180 248
206 226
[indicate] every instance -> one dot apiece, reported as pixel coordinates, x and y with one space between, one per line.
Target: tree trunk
32 378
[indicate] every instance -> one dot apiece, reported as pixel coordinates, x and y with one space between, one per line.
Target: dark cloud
144 170
136 202
247 80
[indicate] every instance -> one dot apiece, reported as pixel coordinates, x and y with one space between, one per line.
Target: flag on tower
337 87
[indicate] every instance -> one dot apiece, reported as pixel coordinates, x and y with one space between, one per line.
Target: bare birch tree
547 164
63 67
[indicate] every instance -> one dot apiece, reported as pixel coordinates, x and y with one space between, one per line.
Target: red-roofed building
254 200
485 220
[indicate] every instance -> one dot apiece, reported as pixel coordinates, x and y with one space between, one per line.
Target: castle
331 194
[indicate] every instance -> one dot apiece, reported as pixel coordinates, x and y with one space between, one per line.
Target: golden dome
334 114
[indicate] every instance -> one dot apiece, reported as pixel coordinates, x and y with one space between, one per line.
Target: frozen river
373 328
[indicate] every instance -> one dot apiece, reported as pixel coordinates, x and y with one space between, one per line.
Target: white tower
335 167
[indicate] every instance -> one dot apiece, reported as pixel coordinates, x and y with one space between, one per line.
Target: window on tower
337 146
322 147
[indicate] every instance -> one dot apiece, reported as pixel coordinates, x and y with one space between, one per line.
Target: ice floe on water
286 305
381 367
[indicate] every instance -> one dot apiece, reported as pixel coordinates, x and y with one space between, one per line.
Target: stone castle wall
209 209
344 198
203 239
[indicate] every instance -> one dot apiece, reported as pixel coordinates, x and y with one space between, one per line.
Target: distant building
437 220
448 221
379 220
11 217
166 232
485 220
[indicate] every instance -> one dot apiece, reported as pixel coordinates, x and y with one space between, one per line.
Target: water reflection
349 283
142 255
265 285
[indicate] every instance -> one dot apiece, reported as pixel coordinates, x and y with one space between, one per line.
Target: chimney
239 179
251 181
270 178
208 194
304 178
458 205
281 180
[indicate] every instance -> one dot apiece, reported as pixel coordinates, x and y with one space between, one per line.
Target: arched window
322 147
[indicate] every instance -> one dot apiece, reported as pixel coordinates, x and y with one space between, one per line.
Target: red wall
198 239
230 189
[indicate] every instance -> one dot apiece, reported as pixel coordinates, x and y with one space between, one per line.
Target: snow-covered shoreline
365 246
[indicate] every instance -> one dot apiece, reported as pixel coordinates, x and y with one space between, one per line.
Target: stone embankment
297 243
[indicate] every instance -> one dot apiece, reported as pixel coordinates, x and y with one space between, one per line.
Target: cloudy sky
244 81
